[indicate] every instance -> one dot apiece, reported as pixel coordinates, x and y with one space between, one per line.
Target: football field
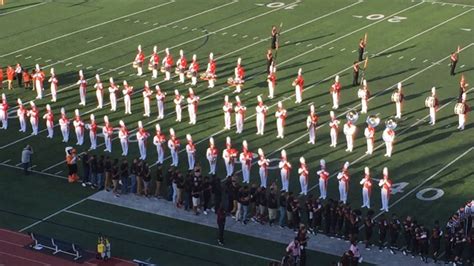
409 41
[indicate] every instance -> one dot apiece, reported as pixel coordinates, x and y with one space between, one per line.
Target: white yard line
83 29
447 3
96 39
21 9
170 235
33 171
6 161
427 179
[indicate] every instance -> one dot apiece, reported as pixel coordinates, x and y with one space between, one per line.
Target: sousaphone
373 120
352 116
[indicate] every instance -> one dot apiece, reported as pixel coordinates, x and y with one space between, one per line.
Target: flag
365 38
366 63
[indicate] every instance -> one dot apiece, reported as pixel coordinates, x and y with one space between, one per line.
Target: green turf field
408 42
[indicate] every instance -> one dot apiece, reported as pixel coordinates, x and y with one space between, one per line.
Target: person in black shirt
407 232
146 173
196 196
272 206
295 212
188 186
84 157
435 240
245 201
217 192
93 173
100 172
158 181
115 176
308 207
124 175
289 212
423 243
355 73
206 194
318 216
383 228
327 217
274 36
108 173
394 231
282 209
169 183
221 225
369 228
133 176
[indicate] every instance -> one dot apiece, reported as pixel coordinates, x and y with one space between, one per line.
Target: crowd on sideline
200 193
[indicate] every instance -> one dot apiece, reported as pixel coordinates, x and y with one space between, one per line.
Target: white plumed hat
322 163
366 170
76 112
211 140
245 144
346 165
302 160
140 124
121 123
336 78
260 152
172 133
188 137
385 171
157 127
283 153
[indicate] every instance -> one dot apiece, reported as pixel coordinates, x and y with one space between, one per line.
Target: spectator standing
26 158
146 178
93 170
139 178
282 209
26 79
206 194
115 177
10 77
217 192
124 175
294 250
19 74
85 168
221 216
133 176
108 173
158 181
272 207
100 172
196 196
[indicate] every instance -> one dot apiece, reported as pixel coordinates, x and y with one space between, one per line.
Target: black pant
355 80
220 235
361 54
25 168
453 66
19 78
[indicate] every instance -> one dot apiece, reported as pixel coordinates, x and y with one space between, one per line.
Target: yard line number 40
395 19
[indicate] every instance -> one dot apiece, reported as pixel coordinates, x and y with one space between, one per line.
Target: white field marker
37 59
28 57
462 66
343 49
332 47
175 26
144 23
298 43
245 36
413 59
400 58
235 34
80 65
257 38
49 60
136 21
353 51
390 55
184 28
224 33
68 64
127 20
121 72
193 29
309 45
18 55
100 69
426 60
89 67
154 24
6 161
18 164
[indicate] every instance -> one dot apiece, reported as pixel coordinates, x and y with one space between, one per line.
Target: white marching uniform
49 117
93 135
34 117
79 130
229 155
385 185
246 163
178 99
335 91
147 93
4 112
108 130
38 78
82 90
211 155
64 126
21 113
364 100
280 122
159 140
227 108
99 93
323 183
127 99
160 103
369 133
263 164
173 145
261 111
334 125
53 87
193 101
285 168
304 175
123 137
366 183
113 89
311 125
388 136
191 152
343 178
142 136
239 117
349 131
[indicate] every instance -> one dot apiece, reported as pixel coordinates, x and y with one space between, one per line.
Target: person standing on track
26 158
221 216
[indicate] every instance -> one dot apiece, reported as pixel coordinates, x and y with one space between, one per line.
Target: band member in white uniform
285 169
123 137
211 155
78 127
462 116
335 92
261 112
38 78
193 101
343 178
92 132
434 107
167 64
64 125
159 140
4 112
239 110
33 113
82 82
107 131
263 164
239 74
53 85
364 95
388 137
154 62
349 131
147 94
366 183
281 115
173 146
191 152
311 124
160 102
369 134
303 171
181 65
142 136
229 155
323 179
399 101
211 71
178 99
227 108
246 162
271 80
193 70
49 117
334 125
99 93
385 184
127 97
138 62
298 83
21 113
113 89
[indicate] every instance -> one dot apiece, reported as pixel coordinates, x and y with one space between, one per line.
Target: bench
57 246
